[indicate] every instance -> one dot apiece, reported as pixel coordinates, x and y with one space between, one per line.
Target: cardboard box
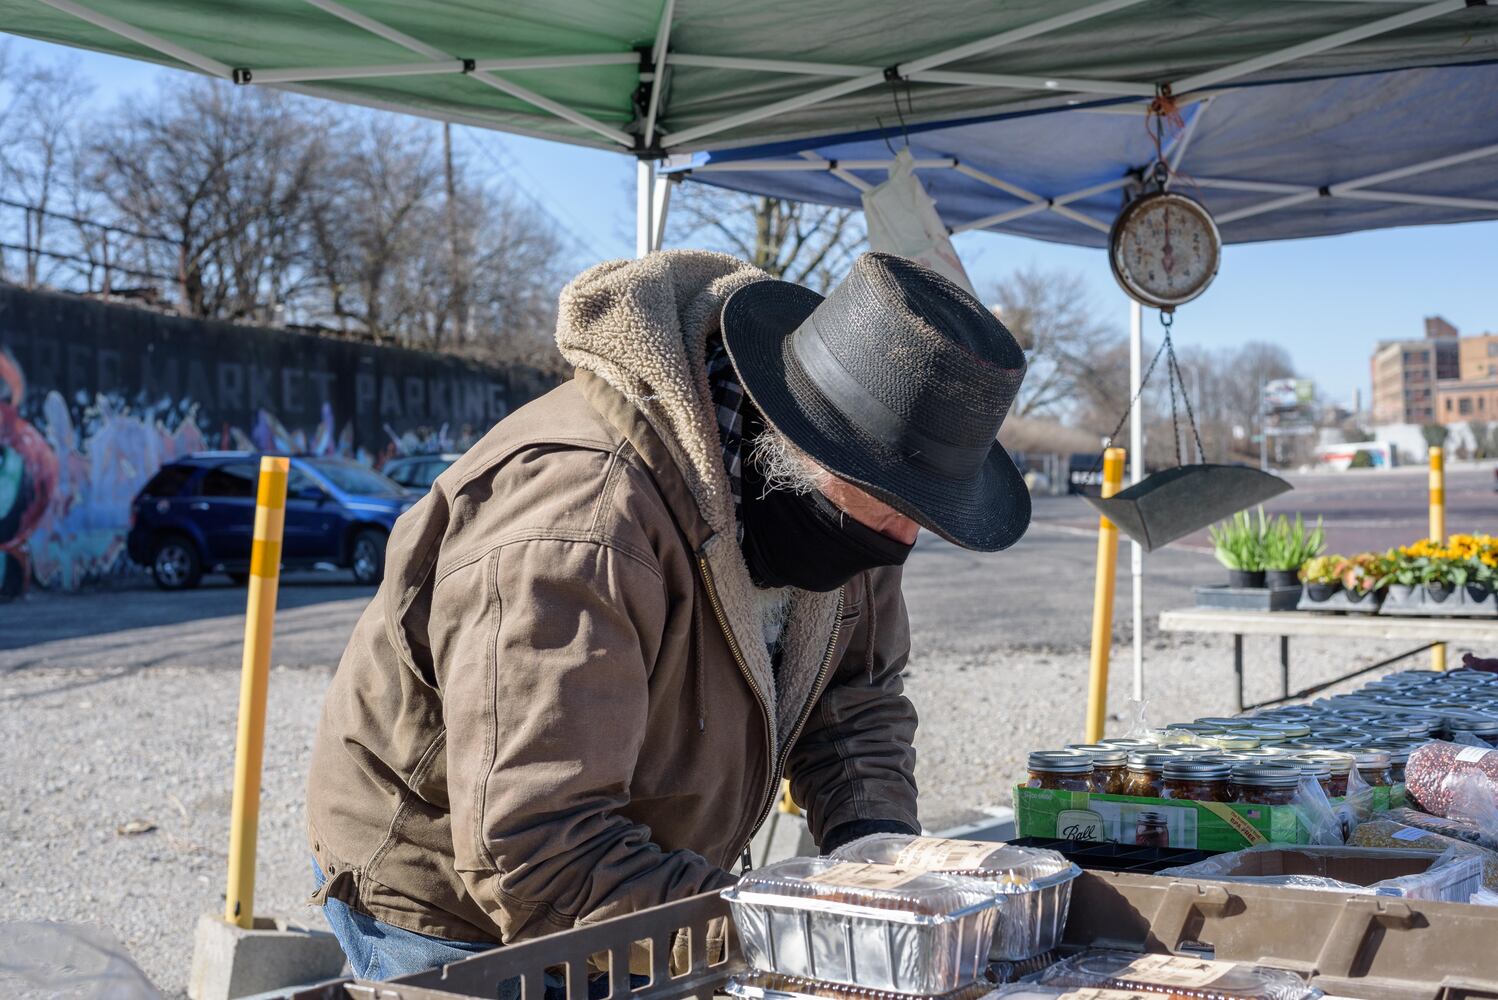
1128 819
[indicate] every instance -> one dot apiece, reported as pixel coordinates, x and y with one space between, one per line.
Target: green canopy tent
658 78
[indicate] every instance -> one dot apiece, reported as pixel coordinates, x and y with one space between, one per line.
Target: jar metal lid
1335 760
1192 748
1474 728
1196 769
1234 741
1291 729
1102 754
1127 741
1366 756
1399 753
1151 760
1060 761
1195 727
1267 775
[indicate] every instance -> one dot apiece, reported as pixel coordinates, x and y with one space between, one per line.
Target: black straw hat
896 382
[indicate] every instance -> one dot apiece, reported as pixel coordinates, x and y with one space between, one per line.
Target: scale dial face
1165 249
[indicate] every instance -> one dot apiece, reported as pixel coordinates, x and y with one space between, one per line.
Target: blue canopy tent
1273 161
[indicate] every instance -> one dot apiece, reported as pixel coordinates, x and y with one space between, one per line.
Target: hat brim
985 513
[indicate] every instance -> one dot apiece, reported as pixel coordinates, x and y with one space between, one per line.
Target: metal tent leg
1284 667
1238 666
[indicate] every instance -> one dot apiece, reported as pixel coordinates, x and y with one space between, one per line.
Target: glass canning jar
1372 765
1197 779
1338 766
1145 778
1265 784
1110 766
1060 770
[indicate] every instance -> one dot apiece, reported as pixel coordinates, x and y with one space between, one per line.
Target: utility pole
457 305
1263 430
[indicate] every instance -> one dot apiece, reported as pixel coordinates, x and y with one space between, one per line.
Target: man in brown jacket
613 626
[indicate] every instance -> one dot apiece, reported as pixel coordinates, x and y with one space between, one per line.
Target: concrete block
229 961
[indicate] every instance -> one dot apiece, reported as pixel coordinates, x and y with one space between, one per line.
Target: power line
570 230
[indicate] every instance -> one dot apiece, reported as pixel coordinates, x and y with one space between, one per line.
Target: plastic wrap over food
1440 775
1458 829
877 926
1451 878
1034 885
1387 833
1177 975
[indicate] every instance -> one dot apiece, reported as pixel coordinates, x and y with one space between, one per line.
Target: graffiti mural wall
95 397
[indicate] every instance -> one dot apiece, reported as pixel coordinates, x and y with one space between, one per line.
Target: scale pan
1173 503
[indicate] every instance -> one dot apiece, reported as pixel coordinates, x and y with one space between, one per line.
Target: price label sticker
1472 755
1408 833
857 875
938 854
1174 970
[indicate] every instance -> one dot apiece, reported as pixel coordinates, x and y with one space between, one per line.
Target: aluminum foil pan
1033 885
773 986
875 926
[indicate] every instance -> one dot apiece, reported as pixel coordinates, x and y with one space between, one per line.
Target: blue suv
198 513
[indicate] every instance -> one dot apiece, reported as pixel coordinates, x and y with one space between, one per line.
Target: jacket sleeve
545 707
853 767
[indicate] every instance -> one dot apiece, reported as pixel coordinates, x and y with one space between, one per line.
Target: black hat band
952 461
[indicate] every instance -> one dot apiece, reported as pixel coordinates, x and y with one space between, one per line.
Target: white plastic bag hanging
902 220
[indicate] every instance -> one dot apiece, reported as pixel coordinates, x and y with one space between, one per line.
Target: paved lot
120 706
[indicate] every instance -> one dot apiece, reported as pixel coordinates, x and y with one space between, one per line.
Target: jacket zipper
811 701
738 658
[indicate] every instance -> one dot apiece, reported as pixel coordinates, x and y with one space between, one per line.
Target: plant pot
1282 578
1322 591
1401 593
1478 592
1438 592
1358 596
1245 579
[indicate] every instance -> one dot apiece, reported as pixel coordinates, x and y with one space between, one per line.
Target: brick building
1407 374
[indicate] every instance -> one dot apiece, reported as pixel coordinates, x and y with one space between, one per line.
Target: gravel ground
108 725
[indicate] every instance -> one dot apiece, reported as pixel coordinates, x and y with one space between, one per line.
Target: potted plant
1360 575
1238 544
1446 576
1479 555
1321 577
1287 546
1403 572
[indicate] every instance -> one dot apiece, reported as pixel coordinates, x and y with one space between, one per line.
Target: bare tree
221 176
1066 345
808 244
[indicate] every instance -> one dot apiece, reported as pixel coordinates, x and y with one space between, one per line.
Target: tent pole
1136 473
660 203
141 37
644 203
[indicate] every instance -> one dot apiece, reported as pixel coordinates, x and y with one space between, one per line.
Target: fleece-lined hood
643 326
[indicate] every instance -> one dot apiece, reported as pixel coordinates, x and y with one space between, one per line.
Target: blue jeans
376 950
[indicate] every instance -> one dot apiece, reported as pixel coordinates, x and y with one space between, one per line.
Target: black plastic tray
1108 857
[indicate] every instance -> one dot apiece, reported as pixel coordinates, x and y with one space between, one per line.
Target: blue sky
1327 300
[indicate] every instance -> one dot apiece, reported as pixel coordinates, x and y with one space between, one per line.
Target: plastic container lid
1060 761
1176 975
829 884
1016 866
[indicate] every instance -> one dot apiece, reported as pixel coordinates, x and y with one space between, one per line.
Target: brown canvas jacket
558 707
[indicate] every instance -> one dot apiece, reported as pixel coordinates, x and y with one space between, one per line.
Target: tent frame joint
242 75
892 73
470 66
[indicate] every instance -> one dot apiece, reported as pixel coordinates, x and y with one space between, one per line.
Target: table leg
1285 666
1238 665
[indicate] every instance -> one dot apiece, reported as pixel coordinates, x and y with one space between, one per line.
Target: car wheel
175 563
238 579
367 556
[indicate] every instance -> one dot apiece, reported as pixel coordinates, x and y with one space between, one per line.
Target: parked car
417 472
198 514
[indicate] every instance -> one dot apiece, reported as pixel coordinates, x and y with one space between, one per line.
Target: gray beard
773 607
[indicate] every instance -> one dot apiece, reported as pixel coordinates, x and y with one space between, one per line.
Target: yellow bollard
1102 600
260 614
1438 530
788 804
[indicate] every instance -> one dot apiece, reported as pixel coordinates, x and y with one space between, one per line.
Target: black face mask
804 540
